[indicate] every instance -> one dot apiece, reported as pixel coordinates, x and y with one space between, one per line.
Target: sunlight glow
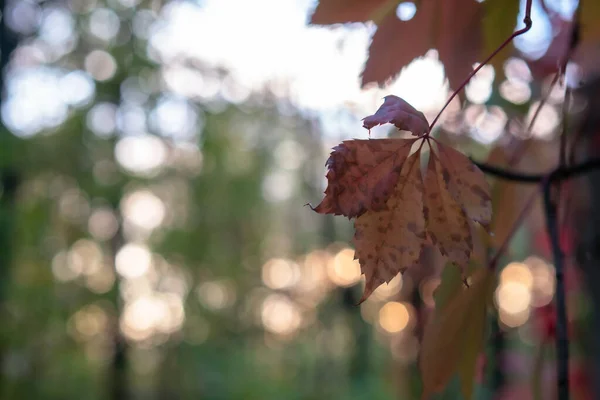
103 223
101 65
513 297
144 209
394 317
546 122
279 273
216 295
387 290
280 315
133 260
148 315
89 321
344 270
143 155
406 11
544 281
517 272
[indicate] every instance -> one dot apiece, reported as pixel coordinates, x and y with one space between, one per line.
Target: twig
552 218
562 340
558 175
516 156
528 23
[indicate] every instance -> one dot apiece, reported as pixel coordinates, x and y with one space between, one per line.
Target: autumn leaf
331 12
453 27
588 19
397 212
454 336
447 223
398 112
390 240
467 184
362 175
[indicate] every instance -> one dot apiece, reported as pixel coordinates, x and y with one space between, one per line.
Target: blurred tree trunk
586 218
118 372
9 181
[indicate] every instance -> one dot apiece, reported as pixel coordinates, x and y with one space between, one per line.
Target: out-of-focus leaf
589 15
329 12
498 24
451 282
452 27
454 336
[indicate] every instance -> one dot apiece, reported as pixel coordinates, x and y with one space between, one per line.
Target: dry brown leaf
397 111
467 184
447 223
389 241
362 175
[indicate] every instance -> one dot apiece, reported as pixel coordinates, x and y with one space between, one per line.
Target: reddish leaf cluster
450 26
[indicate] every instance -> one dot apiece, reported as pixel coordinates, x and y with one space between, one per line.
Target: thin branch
558 175
528 23
516 156
551 208
552 217
562 339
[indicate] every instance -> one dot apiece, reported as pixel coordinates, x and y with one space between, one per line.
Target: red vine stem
527 21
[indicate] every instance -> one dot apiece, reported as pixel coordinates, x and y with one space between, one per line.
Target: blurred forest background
155 161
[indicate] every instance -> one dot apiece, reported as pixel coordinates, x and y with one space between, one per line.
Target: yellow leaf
467 184
588 19
389 241
498 24
447 223
454 336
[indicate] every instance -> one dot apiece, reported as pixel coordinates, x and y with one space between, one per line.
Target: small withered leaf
397 111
